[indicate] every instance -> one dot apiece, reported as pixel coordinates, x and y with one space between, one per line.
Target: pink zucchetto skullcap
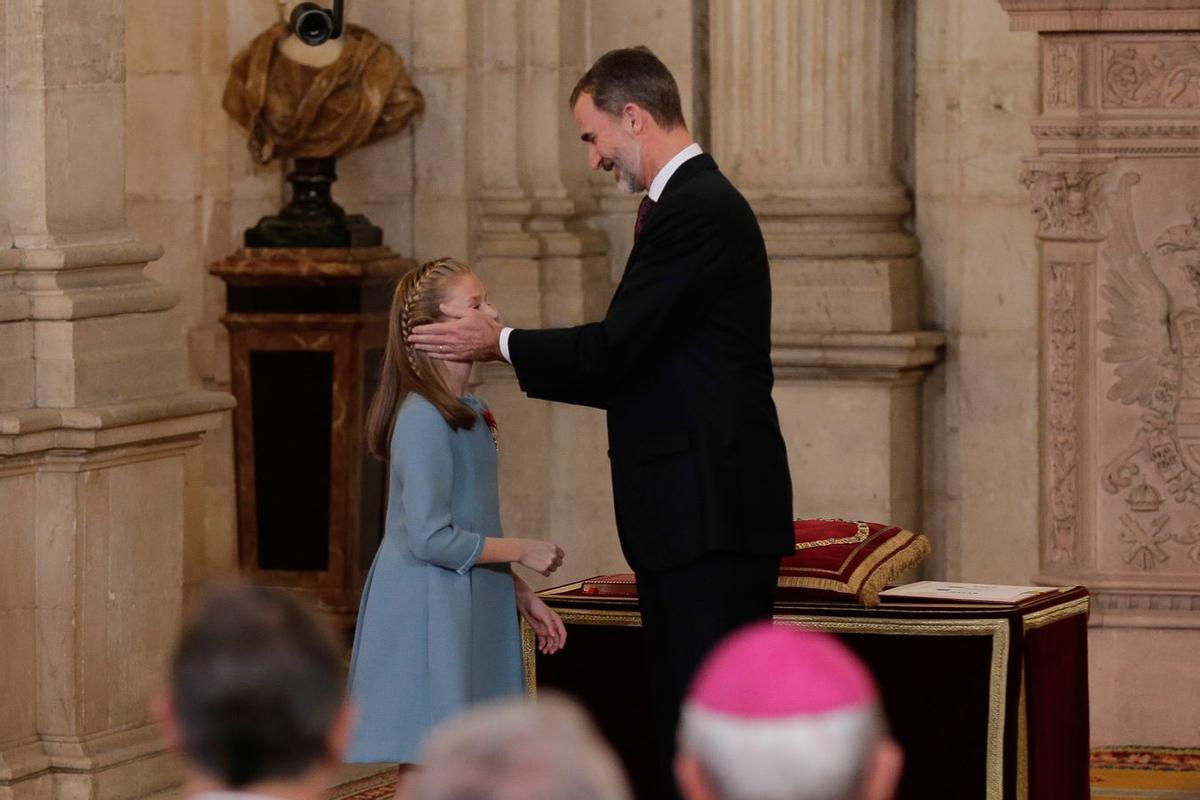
769 671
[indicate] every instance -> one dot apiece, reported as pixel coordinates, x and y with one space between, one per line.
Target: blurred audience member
781 713
256 703
518 750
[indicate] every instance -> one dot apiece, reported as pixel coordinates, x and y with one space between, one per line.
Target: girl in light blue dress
437 624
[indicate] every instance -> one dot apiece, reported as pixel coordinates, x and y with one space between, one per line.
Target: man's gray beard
630 183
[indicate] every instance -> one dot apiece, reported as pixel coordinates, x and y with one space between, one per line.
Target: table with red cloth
987 700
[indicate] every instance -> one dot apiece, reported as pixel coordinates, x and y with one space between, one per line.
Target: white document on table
970 592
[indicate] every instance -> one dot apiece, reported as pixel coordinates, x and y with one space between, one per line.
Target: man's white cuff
504 344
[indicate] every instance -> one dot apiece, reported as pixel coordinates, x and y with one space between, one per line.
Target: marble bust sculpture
297 101
313 104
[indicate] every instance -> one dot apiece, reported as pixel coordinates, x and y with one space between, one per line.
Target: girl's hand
551 633
539 556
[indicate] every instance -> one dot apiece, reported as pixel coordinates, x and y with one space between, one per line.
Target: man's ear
633 118
692 780
883 772
341 730
163 711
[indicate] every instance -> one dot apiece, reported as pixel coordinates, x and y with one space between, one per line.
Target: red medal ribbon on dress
493 428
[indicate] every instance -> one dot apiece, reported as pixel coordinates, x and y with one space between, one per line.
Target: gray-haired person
518 750
256 700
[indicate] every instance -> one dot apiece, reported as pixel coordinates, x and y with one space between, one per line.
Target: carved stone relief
1064 201
1060 79
1064 433
1140 74
1149 321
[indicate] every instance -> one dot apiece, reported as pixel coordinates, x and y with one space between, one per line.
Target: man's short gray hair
520 750
632 75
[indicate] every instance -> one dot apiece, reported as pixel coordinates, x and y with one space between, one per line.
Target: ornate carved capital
1064 196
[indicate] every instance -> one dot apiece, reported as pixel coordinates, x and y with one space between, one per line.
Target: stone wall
97 421
976 91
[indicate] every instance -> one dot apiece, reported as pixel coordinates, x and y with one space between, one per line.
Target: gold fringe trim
903 551
908 558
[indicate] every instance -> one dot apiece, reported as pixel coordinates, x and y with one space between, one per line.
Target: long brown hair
416 301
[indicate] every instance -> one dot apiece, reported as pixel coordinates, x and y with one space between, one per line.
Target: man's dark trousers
686 611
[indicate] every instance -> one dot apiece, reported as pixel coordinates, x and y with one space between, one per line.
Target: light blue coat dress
435 633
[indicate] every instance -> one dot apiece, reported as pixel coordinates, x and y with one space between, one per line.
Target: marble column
1112 186
95 419
802 122
16 335
543 267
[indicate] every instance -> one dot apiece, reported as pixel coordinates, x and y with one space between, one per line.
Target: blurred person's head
256 698
779 713
519 750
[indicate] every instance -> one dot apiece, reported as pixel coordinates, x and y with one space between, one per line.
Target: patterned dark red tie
644 209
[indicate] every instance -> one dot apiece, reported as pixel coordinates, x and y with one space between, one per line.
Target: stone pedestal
307 332
1119 242
801 106
95 421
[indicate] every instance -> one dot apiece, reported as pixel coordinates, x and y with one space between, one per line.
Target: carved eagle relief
1154 341
1139 316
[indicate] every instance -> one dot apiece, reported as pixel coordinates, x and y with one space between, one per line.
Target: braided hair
416 301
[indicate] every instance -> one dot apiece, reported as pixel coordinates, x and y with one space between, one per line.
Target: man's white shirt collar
656 189
660 180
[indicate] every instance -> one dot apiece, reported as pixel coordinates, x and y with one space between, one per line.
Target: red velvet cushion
849 560
833 558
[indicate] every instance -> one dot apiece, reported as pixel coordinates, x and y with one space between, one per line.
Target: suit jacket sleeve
682 264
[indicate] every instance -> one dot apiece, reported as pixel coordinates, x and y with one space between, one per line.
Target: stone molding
857 357
14 305
36 430
1117 138
132 762
835 223
95 280
900 358
1101 15
1119 601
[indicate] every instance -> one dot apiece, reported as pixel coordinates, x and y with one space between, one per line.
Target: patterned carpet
377 785
1146 772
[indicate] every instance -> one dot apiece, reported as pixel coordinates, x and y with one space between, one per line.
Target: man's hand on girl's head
470 335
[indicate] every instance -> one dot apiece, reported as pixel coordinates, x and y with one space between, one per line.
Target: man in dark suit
682 364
